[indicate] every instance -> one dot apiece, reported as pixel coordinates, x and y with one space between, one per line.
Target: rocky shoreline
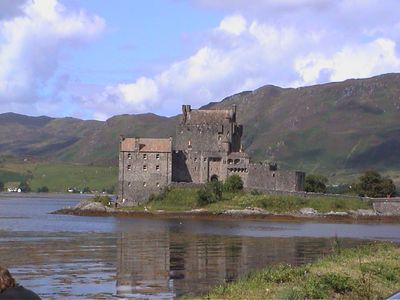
90 208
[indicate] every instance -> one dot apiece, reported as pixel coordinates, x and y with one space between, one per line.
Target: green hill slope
334 129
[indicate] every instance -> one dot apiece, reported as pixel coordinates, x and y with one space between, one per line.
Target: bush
105 200
43 189
233 183
86 189
315 183
372 184
25 188
210 193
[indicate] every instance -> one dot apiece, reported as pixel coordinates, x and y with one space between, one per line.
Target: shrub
105 200
43 189
204 196
315 183
25 188
372 184
233 183
209 193
86 189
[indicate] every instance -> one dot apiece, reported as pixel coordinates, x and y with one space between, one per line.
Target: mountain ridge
349 125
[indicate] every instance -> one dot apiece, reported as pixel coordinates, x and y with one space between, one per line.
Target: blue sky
93 59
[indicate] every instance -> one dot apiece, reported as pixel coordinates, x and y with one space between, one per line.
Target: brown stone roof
147 145
200 116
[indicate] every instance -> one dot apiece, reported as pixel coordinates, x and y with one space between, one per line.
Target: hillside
333 128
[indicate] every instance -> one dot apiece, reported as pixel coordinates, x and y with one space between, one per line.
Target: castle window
129 156
144 168
219 138
129 167
144 184
157 184
129 183
144 156
237 161
195 159
157 168
230 161
157 156
205 158
273 174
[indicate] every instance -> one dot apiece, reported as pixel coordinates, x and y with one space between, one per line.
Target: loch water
74 257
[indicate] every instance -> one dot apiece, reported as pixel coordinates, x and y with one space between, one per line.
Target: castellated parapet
207 147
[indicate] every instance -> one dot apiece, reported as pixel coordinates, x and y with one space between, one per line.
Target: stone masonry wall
143 174
260 176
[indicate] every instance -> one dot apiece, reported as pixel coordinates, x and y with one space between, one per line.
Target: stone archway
214 177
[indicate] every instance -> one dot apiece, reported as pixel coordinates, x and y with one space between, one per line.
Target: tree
25 188
209 193
233 183
1 186
372 184
315 183
43 189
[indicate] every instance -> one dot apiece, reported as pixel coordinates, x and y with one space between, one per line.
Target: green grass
181 199
59 177
366 272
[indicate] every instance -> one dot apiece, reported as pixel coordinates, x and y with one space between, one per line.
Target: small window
158 168
144 168
129 156
129 183
144 184
129 167
157 156
158 184
205 159
195 159
144 156
273 174
219 138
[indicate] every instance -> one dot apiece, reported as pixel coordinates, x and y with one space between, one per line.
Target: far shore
45 195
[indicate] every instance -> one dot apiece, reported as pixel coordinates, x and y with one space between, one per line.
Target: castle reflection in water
172 263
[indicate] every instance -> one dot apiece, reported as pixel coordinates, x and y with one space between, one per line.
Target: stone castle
207 147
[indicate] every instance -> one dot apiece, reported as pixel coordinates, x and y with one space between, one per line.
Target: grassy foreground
183 199
367 272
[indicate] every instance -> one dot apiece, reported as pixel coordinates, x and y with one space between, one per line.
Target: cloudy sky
93 59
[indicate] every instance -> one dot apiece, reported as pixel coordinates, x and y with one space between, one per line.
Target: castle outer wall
145 168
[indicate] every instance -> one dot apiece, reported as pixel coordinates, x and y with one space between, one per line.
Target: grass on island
366 272
184 199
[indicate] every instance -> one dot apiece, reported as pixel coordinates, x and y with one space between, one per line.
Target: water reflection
171 262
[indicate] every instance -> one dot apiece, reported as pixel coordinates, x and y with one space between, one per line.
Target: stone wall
143 174
260 176
386 206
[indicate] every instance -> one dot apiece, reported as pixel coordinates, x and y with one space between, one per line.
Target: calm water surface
70 257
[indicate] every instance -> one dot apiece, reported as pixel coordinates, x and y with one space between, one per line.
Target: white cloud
356 61
31 45
246 53
233 24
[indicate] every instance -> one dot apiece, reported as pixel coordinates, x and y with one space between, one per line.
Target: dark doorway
214 178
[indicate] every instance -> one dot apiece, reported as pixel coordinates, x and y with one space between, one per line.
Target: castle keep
207 147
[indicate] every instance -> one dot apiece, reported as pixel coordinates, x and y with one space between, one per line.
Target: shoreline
243 214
